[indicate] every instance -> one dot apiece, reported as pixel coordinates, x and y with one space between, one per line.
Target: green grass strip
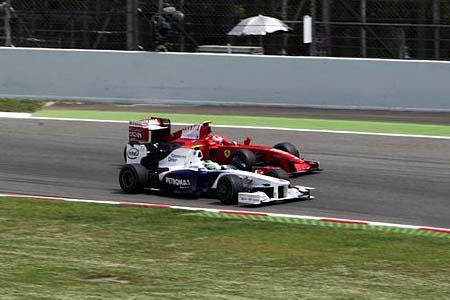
318 124
89 251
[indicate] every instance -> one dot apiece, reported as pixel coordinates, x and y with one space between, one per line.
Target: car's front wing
257 198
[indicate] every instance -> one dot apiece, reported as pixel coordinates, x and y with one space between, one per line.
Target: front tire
133 178
228 189
287 147
278 173
243 159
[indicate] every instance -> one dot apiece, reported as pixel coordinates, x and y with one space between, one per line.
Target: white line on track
28 116
339 132
13 115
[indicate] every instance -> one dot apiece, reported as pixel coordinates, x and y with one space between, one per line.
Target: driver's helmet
210 165
217 139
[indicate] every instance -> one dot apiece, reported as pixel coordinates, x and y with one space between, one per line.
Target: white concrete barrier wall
224 79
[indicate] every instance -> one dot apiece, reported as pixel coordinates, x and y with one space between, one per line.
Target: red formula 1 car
245 156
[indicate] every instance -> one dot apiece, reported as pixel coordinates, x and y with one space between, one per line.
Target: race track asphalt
375 178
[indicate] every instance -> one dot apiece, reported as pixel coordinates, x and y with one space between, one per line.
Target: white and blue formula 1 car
183 171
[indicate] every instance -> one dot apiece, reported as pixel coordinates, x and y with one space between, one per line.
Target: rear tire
278 173
228 189
287 147
133 178
243 159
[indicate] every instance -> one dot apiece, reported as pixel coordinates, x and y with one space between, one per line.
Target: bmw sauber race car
245 156
184 171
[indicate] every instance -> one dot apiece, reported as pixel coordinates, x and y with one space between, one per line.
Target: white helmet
217 139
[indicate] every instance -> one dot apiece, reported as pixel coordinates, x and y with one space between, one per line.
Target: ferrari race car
184 171
247 157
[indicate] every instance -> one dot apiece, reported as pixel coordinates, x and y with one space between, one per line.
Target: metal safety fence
417 29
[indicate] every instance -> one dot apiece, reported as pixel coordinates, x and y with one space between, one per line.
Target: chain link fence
417 29
67 24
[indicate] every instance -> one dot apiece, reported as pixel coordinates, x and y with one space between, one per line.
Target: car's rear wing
193 132
158 129
149 130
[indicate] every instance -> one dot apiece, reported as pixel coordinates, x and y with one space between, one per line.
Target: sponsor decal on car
178 181
135 134
142 123
191 132
227 153
174 157
133 153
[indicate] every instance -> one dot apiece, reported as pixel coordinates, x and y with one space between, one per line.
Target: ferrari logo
227 153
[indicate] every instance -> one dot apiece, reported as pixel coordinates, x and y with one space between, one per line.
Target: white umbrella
258 25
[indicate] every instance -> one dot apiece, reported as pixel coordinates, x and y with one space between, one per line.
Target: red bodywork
218 148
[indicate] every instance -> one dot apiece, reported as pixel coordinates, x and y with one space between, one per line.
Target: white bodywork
135 153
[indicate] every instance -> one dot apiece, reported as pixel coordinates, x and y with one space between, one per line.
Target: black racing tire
133 178
243 159
287 147
228 189
278 173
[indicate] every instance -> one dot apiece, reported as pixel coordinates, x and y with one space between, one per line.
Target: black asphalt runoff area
431 117
376 178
